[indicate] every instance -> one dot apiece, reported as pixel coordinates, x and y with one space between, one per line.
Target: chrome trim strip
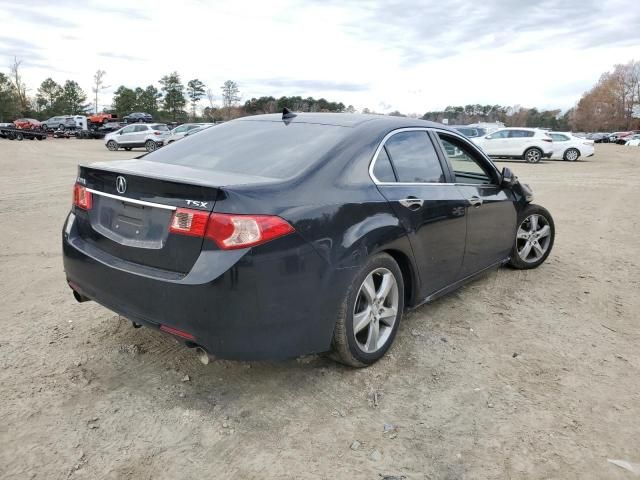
425 129
132 200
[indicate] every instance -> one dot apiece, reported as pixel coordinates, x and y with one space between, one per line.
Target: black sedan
138 117
280 235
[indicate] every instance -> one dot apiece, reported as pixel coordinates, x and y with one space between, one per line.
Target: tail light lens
82 197
229 231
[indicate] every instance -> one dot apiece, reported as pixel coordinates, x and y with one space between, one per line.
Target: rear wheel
150 146
571 155
532 155
112 145
19 136
370 314
61 127
534 238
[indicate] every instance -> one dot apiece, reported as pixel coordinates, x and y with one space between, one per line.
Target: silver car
61 122
179 132
150 136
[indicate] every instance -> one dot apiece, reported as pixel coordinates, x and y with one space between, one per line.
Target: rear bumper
272 302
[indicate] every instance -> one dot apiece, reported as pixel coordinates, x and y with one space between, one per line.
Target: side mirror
508 178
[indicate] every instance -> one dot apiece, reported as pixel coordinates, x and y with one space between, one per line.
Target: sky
412 56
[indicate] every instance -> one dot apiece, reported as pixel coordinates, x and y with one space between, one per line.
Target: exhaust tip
80 298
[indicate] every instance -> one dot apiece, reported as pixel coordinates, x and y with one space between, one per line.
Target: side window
414 158
500 134
382 169
558 137
520 133
129 129
467 166
141 128
181 128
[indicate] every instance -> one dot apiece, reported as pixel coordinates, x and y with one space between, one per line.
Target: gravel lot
522 374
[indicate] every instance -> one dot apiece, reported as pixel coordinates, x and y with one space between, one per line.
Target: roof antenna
286 113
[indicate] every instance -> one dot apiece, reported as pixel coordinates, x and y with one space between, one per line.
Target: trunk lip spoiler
132 200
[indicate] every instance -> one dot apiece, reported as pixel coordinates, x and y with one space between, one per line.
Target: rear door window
414 158
383 170
557 137
140 128
520 133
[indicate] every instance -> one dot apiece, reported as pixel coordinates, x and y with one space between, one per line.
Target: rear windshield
262 148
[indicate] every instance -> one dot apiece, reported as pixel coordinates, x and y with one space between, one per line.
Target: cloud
34 17
311 85
121 56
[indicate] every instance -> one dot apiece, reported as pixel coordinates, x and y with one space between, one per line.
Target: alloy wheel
376 310
571 155
532 156
533 238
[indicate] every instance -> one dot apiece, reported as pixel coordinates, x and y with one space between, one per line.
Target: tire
61 127
358 349
40 137
150 146
140 120
571 154
19 136
531 222
128 149
112 145
532 155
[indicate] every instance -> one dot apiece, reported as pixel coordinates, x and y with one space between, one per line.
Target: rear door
140 133
410 175
518 141
490 209
126 135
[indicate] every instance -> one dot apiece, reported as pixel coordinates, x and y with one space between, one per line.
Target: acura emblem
121 184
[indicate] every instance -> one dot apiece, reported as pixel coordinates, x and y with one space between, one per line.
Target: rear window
267 149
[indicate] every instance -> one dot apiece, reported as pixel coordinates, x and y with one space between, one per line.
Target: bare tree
19 86
98 85
230 96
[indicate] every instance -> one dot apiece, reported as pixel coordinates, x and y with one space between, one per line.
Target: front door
126 136
490 210
411 177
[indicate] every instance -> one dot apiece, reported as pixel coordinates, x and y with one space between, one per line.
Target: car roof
346 120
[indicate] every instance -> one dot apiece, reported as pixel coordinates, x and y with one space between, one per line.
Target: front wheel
534 238
571 155
370 314
150 146
532 155
112 145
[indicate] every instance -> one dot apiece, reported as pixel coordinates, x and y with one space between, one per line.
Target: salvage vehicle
61 122
567 146
151 137
101 117
27 124
275 236
180 131
528 144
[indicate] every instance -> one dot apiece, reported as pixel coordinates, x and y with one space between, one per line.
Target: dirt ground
522 374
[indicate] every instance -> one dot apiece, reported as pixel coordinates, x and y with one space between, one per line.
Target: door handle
475 201
412 203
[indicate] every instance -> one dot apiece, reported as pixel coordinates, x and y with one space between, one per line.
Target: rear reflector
229 231
189 222
176 332
81 197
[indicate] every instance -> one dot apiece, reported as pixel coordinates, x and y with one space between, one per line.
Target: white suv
529 144
150 136
179 132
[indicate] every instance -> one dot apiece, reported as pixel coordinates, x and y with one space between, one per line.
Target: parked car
623 137
151 137
27 123
61 122
180 131
529 144
275 236
199 129
634 141
567 146
598 137
136 117
470 132
101 117
3 125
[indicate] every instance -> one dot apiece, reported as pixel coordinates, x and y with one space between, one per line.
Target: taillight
81 197
176 332
189 222
229 231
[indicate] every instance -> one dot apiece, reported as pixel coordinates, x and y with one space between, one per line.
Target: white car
634 142
179 132
528 144
151 136
567 146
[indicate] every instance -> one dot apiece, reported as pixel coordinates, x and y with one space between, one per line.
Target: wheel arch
409 274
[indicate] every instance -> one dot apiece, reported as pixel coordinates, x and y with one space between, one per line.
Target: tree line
608 106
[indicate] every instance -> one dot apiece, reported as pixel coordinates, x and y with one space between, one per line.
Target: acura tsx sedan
275 236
